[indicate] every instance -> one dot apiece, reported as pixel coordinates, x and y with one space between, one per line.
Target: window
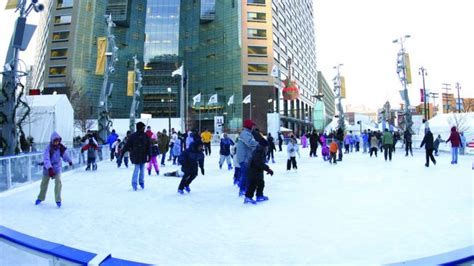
256 17
256 2
58 53
257 51
62 20
60 36
57 71
257 33
258 69
64 3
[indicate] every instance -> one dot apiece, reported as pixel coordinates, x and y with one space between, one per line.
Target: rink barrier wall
21 169
59 254
455 257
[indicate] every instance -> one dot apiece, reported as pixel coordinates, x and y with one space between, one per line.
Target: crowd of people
248 155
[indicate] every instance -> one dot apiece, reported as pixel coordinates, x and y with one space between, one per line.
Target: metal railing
24 168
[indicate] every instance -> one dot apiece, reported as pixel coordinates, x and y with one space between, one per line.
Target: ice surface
362 210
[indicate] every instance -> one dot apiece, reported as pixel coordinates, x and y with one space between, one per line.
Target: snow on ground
362 210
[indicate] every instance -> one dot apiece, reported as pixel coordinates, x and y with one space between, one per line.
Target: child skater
190 160
292 149
176 148
255 173
91 149
154 154
333 147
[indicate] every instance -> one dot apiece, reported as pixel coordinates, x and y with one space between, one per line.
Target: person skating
224 152
347 142
340 141
255 174
436 144
429 147
206 138
333 148
280 141
245 147
139 145
324 148
233 153
110 140
91 149
455 143
155 151
387 140
313 144
53 156
176 148
124 156
271 148
374 144
407 137
163 145
292 149
190 160
463 143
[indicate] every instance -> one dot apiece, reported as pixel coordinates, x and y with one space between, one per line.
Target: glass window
257 51
58 53
64 3
208 9
256 2
57 71
256 17
258 69
62 19
257 33
60 36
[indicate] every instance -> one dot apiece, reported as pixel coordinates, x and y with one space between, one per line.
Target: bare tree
80 103
459 120
468 105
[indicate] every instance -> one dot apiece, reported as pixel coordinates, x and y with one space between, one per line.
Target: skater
407 138
189 139
292 149
365 142
304 141
155 151
324 148
173 136
374 144
176 149
463 143
340 141
139 145
123 155
347 142
455 143
245 147
436 144
91 149
280 141
190 160
429 147
224 152
52 156
255 175
333 148
271 148
110 140
233 153
163 145
387 140
313 144
206 138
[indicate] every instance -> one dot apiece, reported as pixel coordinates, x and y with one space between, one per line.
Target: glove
51 172
270 172
202 171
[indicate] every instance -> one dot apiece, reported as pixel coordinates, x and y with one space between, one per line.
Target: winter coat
245 146
333 147
365 138
139 145
121 146
340 135
257 164
163 143
374 142
322 140
428 141
91 149
233 152
189 139
206 136
111 139
154 150
292 149
225 146
52 155
304 141
271 143
191 158
348 139
149 133
177 147
455 138
387 138
313 140
407 137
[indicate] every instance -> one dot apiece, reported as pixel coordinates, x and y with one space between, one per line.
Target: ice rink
362 210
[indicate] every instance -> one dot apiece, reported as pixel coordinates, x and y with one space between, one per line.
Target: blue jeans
141 179
163 157
243 176
454 154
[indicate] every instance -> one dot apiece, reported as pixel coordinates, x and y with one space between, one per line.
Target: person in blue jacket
224 152
190 160
110 140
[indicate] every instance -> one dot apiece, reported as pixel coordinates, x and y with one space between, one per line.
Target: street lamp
403 73
422 71
169 111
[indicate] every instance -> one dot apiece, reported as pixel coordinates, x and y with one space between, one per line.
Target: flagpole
250 103
181 100
186 100
199 117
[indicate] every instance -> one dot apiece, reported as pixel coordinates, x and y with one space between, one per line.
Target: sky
359 35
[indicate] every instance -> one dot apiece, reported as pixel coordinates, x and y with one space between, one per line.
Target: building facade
329 97
67 52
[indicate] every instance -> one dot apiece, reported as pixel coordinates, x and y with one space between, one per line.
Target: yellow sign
101 49
11 4
131 83
407 69
343 87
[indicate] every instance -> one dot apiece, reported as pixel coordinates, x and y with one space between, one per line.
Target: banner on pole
247 99
343 87
11 4
407 68
101 50
131 83
197 99
231 100
218 124
213 99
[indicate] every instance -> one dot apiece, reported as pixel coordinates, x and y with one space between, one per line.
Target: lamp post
337 90
403 73
169 110
458 102
422 71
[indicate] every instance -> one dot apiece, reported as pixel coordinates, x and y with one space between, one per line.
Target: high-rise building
328 97
161 59
229 49
67 51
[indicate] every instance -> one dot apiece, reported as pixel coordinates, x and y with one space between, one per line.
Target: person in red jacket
455 144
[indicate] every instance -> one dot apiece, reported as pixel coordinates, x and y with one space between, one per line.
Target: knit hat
249 124
140 126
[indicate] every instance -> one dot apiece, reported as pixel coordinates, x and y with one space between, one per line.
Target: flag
422 96
101 50
11 4
231 100
130 83
407 68
213 99
247 99
275 71
197 99
343 87
178 71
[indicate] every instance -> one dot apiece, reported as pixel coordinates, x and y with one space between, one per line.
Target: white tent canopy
49 113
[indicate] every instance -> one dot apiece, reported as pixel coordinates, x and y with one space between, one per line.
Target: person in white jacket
292 149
